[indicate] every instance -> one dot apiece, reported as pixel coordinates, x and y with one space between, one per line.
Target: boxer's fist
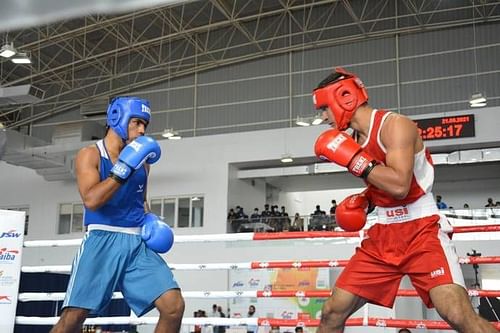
132 157
338 147
157 235
351 212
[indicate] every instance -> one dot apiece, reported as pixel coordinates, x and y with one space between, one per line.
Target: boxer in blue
120 249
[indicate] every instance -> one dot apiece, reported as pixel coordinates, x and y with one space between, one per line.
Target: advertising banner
11 247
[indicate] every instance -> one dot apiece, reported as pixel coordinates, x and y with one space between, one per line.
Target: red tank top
423 169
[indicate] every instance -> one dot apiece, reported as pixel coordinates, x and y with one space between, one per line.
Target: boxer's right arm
93 192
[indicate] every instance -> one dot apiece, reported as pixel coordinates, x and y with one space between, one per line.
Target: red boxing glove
338 147
351 212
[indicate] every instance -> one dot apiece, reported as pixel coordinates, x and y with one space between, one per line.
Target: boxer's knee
171 305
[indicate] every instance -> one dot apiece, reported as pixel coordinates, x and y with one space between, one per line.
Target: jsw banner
11 249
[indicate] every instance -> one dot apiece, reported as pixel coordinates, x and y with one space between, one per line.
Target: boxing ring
348 237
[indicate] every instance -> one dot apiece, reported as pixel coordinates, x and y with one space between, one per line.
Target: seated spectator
404 330
318 211
299 329
240 214
490 203
466 206
255 217
440 203
233 225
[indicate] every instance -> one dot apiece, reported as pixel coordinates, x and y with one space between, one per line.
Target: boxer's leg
453 305
71 321
337 309
171 308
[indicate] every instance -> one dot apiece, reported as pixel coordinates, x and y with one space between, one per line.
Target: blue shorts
114 261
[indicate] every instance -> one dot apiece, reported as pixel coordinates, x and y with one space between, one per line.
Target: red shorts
417 248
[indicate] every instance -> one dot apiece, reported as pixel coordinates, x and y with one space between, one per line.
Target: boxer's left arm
400 137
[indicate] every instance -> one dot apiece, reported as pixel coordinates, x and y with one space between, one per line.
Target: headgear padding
343 93
122 109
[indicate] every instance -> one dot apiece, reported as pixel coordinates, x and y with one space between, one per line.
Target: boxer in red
386 150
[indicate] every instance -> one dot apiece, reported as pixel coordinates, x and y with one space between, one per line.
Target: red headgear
343 93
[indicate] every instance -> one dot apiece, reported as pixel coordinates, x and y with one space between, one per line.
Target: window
179 212
70 218
26 218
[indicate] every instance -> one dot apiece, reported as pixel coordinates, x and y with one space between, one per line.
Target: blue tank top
126 206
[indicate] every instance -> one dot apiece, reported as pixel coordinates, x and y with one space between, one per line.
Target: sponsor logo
140 188
287 314
8 255
6 280
238 284
145 109
336 142
437 272
398 212
135 145
303 283
5 299
357 168
10 234
253 282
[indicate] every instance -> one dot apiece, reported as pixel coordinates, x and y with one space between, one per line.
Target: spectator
231 215
490 203
497 204
251 314
240 214
266 214
466 206
318 211
404 330
299 329
214 312
298 223
333 208
285 220
231 220
440 203
255 217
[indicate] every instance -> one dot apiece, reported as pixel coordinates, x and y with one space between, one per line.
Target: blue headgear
122 109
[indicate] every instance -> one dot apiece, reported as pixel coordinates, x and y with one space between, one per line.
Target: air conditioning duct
23 94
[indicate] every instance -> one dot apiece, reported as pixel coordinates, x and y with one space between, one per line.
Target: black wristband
369 169
116 178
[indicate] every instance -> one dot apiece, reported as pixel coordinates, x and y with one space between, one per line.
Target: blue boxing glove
157 235
132 157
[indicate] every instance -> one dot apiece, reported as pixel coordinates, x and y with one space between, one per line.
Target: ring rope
305 235
255 265
34 297
370 321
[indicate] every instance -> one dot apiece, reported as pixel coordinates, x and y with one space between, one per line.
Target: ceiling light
286 159
477 100
302 122
317 120
195 199
21 58
175 136
7 51
168 133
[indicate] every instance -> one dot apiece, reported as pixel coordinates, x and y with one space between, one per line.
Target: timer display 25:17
446 127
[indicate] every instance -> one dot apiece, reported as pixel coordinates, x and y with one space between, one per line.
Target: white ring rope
22 320
178 239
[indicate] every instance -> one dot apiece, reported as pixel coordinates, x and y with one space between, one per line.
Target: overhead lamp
317 120
477 100
167 133
21 58
7 50
302 122
175 136
287 158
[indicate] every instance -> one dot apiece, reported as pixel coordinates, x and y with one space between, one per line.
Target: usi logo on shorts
437 272
398 212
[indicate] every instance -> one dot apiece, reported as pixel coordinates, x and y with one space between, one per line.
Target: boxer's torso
423 169
126 206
